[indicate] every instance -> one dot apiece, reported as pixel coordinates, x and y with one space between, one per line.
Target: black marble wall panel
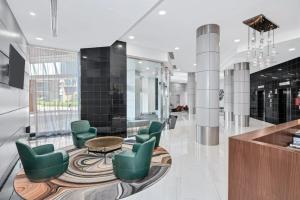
281 87
103 88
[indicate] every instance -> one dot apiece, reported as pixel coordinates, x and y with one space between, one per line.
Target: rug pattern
88 177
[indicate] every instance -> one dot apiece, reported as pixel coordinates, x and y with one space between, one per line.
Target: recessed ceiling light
195 64
162 12
39 38
147 68
237 40
292 49
140 62
32 13
176 48
131 37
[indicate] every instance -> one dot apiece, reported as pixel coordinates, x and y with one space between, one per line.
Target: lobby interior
149 99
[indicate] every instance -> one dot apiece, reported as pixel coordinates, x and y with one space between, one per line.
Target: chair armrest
143 131
155 134
93 130
136 147
43 149
49 159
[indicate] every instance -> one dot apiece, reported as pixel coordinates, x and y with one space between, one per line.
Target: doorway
284 105
261 105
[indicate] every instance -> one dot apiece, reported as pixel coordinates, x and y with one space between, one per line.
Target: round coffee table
104 145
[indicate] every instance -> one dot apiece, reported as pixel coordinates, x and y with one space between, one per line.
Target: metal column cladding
207 84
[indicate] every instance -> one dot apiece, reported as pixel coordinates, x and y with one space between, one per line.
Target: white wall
178 90
142 52
14 113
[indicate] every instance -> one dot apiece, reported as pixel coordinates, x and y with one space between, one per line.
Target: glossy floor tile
198 172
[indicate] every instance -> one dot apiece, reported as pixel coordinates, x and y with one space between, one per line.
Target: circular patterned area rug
89 177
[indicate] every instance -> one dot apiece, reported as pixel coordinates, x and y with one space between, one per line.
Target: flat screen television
4 71
16 68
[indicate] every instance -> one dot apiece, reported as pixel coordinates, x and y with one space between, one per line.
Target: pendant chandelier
261 47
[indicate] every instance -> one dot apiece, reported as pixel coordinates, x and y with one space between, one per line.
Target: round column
191 92
207 84
228 96
241 82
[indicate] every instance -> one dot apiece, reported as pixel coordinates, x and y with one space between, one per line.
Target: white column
207 84
228 96
191 92
241 100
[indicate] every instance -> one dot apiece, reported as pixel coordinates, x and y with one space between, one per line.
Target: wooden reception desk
262 167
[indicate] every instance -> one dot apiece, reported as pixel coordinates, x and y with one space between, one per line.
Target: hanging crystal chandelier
261 47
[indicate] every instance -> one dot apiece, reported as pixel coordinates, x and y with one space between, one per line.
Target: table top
104 144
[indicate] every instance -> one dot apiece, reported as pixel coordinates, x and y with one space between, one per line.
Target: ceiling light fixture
162 12
237 40
279 69
176 48
261 37
39 38
292 49
131 37
119 46
32 13
147 68
195 64
54 17
140 62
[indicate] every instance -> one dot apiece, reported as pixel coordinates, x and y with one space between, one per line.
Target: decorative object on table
82 132
42 163
154 130
134 164
256 44
104 145
87 175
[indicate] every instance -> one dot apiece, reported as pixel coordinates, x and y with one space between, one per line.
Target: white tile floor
198 172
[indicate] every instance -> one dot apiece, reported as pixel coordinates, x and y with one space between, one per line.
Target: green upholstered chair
134 164
42 163
81 132
145 134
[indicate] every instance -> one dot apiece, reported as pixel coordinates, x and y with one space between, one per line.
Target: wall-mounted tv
16 68
4 71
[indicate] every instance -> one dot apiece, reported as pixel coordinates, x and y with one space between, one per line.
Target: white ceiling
81 23
178 26
100 22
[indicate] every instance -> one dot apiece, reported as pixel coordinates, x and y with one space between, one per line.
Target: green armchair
145 134
42 163
81 132
134 164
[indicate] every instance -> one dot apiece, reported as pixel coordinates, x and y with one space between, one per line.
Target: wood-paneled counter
262 167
